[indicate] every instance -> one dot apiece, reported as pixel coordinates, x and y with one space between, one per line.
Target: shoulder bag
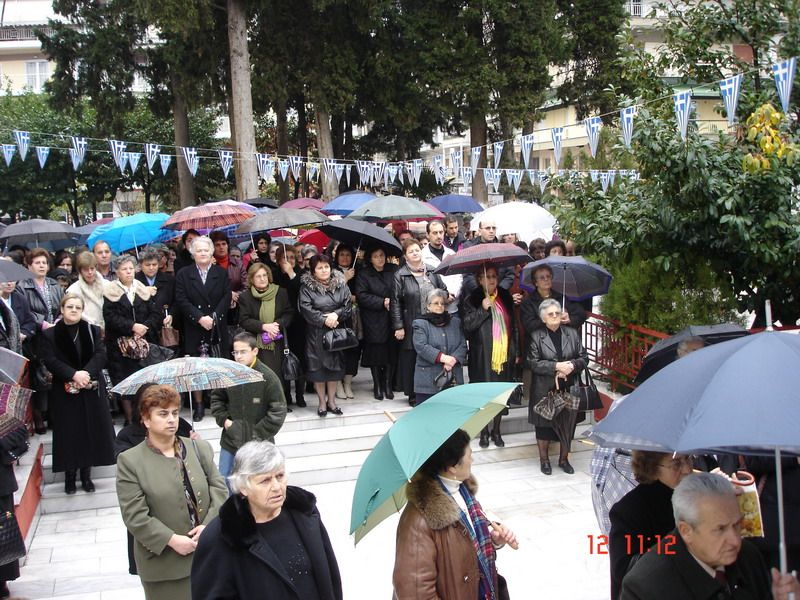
341 338
291 369
585 391
12 546
133 347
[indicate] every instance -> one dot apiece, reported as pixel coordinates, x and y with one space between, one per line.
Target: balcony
23 33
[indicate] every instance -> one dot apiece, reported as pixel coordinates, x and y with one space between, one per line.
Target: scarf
223 261
266 310
437 320
499 333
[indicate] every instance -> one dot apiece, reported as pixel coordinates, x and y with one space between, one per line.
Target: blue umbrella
456 203
346 203
736 396
129 232
576 277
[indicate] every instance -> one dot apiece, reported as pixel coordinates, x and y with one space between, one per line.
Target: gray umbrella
37 230
11 271
282 218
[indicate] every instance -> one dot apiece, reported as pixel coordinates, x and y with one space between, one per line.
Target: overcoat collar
65 344
438 508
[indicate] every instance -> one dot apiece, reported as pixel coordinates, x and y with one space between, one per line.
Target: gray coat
542 359
315 300
429 341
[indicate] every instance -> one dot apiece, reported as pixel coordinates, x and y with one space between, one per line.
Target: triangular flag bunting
533 175
594 174
475 158
225 161
23 140
729 90
392 171
466 175
612 174
604 179
593 125
497 152
526 143
117 148
514 177
42 152
456 160
328 167
784 80
191 158
364 173
296 165
75 158
313 170
438 173
265 165
79 144
416 166
348 169
123 162
151 152
338 169
557 134
626 116
378 170
543 179
283 168
683 107
164 160
8 153
133 160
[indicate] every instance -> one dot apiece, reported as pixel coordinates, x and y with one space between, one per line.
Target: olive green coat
153 505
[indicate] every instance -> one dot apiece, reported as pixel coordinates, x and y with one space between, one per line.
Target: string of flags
375 173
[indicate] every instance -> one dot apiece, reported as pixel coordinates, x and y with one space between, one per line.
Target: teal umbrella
380 489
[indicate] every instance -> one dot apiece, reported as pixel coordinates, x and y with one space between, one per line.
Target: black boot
484 441
86 479
199 412
377 388
388 374
299 387
496 437
69 482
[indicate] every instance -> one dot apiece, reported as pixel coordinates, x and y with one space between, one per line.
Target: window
37 72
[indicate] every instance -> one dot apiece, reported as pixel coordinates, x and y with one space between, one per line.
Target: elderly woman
445 544
556 357
344 259
289 279
412 283
645 511
491 330
90 288
269 539
129 311
325 304
373 288
542 277
265 311
203 296
44 297
439 345
169 489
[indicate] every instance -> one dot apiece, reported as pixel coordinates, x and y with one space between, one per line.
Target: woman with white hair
268 536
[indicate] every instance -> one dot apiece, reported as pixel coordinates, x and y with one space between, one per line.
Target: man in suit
705 558
163 284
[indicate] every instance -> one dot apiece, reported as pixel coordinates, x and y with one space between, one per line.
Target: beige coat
151 498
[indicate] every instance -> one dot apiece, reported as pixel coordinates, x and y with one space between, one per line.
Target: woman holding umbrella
487 315
556 357
542 277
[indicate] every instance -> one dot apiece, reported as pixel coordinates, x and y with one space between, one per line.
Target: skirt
379 355
173 589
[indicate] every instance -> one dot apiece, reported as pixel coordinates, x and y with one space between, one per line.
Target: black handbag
341 338
586 392
444 380
291 369
157 354
12 546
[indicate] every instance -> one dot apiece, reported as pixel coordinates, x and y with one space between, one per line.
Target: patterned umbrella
14 402
208 216
190 373
470 260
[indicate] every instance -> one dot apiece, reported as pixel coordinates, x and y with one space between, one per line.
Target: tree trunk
477 137
282 143
247 182
237 164
181 117
302 138
330 187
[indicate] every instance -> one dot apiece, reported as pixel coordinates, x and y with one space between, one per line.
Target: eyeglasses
678 463
489 227
241 352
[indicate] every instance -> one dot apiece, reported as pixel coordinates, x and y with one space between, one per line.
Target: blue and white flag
151 151
391 171
561 173
283 168
312 168
492 177
123 162
296 165
475 158
328 171
338 171
526 144
683 108
543 179
514 177
133 160
594 174
364 172
117 148
557 134
416 169
164 160
42 152
75 158
729 90
378 170
612 174
497 152
438 170
626 116
348 169
784 80
79 144
191 158
466 175
8 153
23 141
604 180
265 165
225 161
533 176
593 125
456 160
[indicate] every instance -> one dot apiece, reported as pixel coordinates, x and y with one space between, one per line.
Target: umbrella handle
390 416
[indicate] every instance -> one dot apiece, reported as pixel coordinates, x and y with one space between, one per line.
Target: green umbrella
380 489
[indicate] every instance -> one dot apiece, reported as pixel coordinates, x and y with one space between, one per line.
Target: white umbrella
527 220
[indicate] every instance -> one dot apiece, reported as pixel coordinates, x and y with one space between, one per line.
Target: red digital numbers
640 544
598 544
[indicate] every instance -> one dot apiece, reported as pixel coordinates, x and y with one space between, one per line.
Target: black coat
233 560
542 359
315 301
477 325
671 576
83 435
404 306
371 289
120 316
165 296
529 312
645 510
22 308
37 304
195 300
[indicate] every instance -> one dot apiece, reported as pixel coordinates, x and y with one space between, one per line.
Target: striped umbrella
208 216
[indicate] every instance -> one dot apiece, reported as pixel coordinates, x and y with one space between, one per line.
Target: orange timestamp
635 544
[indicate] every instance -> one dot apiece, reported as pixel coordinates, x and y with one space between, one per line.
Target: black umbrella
665 351
282 218
360 234
11 271
259 202
37 230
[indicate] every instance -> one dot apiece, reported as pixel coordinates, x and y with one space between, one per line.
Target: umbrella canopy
90 227
262 202
11 271
36 231
576 277
346 203
380 489
395 208
190 373
665 351
315 237
130 232
14 401
456 203
526 219
361 234
12 365
314 203
209 216
282 218
470 260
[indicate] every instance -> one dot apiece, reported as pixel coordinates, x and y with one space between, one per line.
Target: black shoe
498 440
87 485
300 401
199 413
335 410
69 482
546 468
322 413
484 441
288 409
388 393
4 592
566 467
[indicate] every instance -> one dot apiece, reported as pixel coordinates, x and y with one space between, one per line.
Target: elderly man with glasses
487 234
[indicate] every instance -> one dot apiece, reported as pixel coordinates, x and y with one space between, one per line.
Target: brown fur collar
114 291
337 281
428 496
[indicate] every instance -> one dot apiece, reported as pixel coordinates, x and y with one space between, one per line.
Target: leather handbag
133 347
291 369
156 355
12 546
169 337
444 380
585 391
341 338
